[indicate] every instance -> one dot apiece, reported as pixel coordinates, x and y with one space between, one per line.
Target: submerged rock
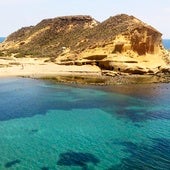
77 159
12 163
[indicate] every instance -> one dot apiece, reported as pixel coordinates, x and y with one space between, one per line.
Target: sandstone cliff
121 43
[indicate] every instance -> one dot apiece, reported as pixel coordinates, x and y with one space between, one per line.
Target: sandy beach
35 67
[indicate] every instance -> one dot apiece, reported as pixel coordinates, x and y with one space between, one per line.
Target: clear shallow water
47 126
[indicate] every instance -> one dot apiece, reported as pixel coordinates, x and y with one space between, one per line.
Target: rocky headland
121 46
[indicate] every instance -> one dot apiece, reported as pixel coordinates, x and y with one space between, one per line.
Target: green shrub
1 53
19 55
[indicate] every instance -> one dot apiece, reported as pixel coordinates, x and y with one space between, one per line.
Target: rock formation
121 43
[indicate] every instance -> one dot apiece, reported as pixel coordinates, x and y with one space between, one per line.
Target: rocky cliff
121 43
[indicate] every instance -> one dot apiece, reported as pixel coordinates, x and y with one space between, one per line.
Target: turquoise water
166 43
49 126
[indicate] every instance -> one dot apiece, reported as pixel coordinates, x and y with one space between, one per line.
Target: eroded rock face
145 40
80 33
124 33
134 35
82 40
141 40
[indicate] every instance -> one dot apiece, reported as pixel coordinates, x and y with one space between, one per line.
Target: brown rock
135 70
81 40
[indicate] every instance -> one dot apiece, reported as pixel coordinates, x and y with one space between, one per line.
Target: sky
15 14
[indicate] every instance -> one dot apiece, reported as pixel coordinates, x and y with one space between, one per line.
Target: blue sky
18 13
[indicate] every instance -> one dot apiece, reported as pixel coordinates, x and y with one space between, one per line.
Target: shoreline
90 78
104 80
97 80
37 68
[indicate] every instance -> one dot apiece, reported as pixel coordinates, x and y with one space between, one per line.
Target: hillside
121 43
49 36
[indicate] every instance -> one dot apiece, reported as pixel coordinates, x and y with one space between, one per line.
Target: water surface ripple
50 126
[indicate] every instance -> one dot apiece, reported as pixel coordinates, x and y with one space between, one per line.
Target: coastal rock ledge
122 44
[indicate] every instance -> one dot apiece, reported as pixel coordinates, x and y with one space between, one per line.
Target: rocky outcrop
121 43
123 33
79 33
50 37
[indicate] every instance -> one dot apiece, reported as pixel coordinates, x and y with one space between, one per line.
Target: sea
45 125
166 43
2 39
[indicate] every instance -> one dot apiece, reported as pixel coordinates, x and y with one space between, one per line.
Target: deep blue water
2 39
49 126
166 43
